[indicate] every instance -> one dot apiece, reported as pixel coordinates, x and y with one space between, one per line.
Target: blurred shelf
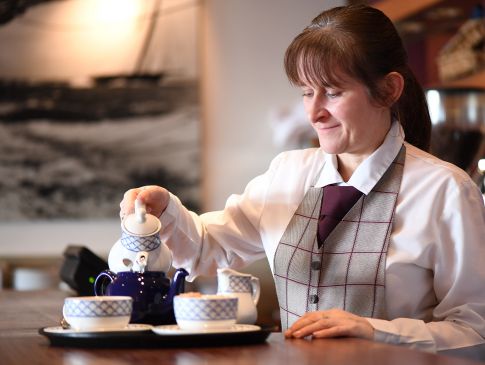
473 81
434 18
398 10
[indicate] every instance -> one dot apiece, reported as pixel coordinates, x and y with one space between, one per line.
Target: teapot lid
141 223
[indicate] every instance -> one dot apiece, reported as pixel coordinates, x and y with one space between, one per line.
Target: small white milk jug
245 287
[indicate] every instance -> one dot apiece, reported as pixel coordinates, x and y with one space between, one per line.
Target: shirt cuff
403 331
168 216
384 331
174 231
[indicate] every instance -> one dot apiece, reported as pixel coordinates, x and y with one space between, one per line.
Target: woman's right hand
154 197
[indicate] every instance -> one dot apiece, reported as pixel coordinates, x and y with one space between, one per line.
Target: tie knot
337 200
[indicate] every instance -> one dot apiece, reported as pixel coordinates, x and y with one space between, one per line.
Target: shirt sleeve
459 276
227 238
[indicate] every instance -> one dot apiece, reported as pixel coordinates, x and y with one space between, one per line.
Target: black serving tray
149 339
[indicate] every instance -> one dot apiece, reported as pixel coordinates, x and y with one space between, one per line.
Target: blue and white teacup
205 312
97 313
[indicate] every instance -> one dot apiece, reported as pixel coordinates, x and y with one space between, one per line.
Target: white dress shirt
435 280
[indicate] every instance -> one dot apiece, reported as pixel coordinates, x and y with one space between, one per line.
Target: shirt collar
370 171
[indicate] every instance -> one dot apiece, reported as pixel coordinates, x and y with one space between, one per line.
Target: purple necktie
336 202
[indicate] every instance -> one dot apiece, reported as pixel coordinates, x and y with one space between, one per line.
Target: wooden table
23 313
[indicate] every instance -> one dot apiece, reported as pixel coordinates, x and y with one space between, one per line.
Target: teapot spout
178 284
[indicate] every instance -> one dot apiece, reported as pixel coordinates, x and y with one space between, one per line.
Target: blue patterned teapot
139 263
151 291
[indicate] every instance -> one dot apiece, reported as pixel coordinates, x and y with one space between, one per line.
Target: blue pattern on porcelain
205 309
239 284
97 308
137 244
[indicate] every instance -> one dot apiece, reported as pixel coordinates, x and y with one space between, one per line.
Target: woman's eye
307 93
332 95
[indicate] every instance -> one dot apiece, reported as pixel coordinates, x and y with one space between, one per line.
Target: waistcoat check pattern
348 271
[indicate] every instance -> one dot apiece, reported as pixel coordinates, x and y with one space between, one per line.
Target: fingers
336 331
308 324
332 323
127 205
148 195
154 197
347 328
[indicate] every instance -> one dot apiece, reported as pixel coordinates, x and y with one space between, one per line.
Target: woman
402 262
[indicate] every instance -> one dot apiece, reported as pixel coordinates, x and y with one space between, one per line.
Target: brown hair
363 43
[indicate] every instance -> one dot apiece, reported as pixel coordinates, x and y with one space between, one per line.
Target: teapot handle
256 288
102 281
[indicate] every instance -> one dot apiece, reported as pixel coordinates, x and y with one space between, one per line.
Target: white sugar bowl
205 312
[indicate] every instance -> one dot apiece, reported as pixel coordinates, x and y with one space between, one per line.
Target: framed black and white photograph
96 97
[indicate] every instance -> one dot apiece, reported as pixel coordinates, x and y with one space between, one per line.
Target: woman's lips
325 127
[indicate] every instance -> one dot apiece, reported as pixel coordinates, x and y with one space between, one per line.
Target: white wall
243 42
242 82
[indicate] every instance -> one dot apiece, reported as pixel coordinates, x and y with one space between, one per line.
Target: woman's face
346 120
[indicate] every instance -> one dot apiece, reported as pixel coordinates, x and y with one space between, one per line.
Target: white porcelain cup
205 312
97 312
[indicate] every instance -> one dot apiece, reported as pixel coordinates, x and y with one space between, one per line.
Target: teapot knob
140 211
141 223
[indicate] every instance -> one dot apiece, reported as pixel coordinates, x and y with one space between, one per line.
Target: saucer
130 328
176 330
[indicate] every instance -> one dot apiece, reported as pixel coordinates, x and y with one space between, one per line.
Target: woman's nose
317 111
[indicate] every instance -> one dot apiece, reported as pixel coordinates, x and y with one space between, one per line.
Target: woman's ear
393 86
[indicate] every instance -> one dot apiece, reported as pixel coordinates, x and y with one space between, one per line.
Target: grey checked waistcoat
348 271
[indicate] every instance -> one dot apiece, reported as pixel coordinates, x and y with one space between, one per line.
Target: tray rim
149 339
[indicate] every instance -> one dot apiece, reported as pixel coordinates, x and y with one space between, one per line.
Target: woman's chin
331 148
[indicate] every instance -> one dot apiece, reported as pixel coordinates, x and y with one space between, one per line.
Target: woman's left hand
331 323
